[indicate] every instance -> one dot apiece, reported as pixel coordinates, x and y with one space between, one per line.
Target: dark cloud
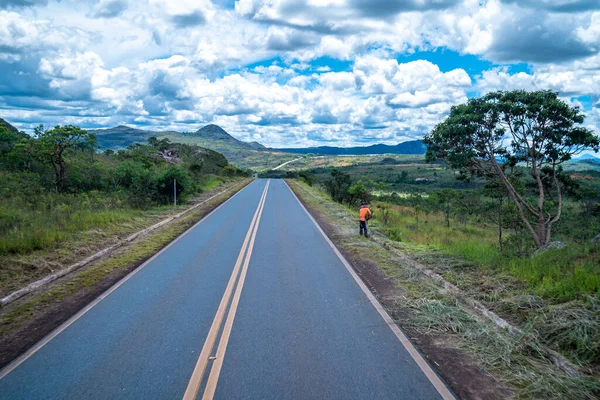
318 26
332 19
21 79
155 105
290 40
108 9
567 6
163 84
324 117
27 103
157 37
323 21
182 104
536 38
186 20
234 106
385 8
277 120
21 3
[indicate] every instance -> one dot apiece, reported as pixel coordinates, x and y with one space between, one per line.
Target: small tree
358 192
384 211
507 128
230 170
338 185
443 201
51 145
469 203
165 182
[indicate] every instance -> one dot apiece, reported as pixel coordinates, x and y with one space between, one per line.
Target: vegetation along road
251 302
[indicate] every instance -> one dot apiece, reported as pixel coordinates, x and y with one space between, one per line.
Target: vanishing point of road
253 302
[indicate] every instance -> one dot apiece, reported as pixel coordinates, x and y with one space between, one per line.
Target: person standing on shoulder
365 215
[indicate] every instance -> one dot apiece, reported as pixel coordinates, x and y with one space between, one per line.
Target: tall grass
560 274
42 221
211 182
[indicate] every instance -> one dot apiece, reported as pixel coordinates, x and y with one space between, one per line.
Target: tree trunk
500 223
62 173
517 200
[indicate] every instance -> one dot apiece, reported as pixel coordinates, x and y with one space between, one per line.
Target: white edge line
32 350
414 353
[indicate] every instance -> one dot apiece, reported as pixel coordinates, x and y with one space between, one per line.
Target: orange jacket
364 211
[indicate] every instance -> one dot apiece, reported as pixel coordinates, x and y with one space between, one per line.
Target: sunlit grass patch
211 183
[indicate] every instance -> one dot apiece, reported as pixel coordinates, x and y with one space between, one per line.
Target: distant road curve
286 163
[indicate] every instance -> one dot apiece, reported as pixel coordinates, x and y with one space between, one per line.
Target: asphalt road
251 303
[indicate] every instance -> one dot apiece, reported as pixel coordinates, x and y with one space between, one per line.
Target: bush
164 184
393 234
357 193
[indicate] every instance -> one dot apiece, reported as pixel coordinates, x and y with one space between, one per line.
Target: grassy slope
557 275
571 327
62 228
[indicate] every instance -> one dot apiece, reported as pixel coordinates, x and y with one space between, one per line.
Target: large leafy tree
504 129
52 144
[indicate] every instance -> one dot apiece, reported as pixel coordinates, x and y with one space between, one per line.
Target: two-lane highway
252 302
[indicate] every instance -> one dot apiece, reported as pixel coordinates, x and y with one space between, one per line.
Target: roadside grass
466 256
212 182
41 222
557 275
124 259
544 291
46 231
34 219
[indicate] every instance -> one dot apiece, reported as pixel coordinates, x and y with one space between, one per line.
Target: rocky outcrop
549 246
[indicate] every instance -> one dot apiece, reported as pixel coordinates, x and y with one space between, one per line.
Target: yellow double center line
205 355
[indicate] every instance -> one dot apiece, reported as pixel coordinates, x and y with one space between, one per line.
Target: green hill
241 154
8 126
121 136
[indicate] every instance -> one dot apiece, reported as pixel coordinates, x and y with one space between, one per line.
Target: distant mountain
242 154
586 157
410 147
8 126
212 137
121 136
217 134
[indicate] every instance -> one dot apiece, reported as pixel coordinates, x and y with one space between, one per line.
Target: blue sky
287 72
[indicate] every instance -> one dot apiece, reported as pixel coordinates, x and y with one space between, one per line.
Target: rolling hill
586 158
410 147
121 136
241 154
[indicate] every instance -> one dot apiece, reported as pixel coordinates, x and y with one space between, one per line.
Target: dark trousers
363 226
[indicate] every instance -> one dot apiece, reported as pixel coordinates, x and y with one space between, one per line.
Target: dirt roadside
27 320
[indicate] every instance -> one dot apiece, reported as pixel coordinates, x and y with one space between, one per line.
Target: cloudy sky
288 72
